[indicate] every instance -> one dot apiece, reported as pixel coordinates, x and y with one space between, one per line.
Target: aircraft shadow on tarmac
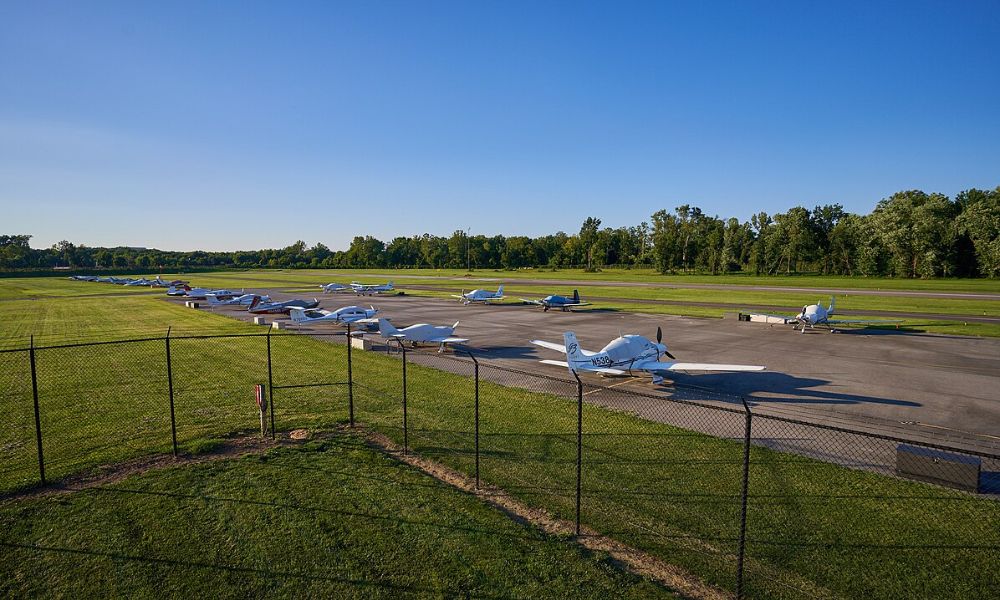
908 332
728 387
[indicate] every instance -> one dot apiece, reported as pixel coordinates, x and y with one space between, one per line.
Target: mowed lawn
815 528
330 519
645 299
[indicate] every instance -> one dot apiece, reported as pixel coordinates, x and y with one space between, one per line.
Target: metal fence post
350 380
170 392
579 446
743 499
270 383
405 438
476 363
38 418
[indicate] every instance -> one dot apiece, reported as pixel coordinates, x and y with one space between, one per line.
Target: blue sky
228 125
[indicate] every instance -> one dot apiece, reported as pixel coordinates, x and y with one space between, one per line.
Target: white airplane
367 289
341 316
201 293
628 353
483 296
421 333
243 300
257 307
334 287
556 301
815 314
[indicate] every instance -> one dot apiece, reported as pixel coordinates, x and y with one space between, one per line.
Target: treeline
910 234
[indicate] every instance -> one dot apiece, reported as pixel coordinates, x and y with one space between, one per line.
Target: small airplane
201 293
367 289
816 314
137 282
628 353
243 300
556 301
341 316
258 307
84 277
421 333
334 287
483 296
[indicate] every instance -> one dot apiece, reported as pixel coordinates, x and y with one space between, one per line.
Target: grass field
328 519
674 301
815 528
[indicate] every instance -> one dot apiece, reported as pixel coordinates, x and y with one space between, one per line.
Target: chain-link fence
757 504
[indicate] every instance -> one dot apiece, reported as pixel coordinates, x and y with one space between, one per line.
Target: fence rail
762 505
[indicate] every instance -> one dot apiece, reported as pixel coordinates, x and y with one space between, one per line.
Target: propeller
659 341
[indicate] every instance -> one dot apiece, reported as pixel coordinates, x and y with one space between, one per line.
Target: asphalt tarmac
935 388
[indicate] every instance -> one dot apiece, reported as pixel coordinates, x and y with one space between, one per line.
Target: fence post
405 438
270 382
579 446
476 363
350 380
743 500
38 418
170 392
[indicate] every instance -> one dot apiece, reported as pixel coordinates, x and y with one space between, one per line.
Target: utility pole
468 252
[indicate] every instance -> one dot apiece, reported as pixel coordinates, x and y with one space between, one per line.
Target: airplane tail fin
254 302
455 326
830 310
500 291
573 352
213 300
298 315
385 329
576 296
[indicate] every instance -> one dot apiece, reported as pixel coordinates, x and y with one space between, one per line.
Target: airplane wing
655 365
526 301
564 364
863 321
572 304
550 346
457 296
448 340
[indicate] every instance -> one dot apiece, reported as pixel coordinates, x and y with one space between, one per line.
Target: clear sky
235 125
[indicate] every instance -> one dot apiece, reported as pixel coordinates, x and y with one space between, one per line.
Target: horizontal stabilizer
550 346
448 340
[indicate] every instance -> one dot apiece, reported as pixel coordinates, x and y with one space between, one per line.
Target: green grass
316 276
746 300
611 297
330 519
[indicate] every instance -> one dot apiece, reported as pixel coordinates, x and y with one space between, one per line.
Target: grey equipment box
959 471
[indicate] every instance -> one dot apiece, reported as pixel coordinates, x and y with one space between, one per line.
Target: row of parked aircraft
128 281
361 289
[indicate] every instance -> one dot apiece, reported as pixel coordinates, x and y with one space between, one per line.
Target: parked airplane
483 296
421 333
367 289
816 314
201 293
83 277
242 300
341 316
628 353
258 307
334 287
556 301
